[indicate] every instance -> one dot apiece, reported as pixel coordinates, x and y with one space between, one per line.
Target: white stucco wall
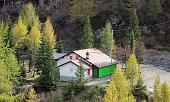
70 69
66 59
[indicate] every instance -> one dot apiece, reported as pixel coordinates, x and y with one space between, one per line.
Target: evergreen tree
80 74
82 8
134 33
60 46
46 66
165 92
87 39
132 70
157 90
156 7
140 90
49 33
106 38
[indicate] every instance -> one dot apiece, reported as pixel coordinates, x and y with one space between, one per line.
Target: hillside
155 27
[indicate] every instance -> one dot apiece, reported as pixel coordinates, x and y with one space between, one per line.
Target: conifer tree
49 32
157 90
12 64
60 46
106 38
165 92
35 36
118 90
35 40
4 31
28 15
132 70
134 29
9 71
111 93
82 8
140 90
122 86
80 74
46 66
19 33
87 38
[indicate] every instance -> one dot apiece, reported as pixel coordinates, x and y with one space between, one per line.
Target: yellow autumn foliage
165 92
19 33
49 33
132 71
35 36
118 89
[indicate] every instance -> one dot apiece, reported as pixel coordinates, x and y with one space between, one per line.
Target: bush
74 88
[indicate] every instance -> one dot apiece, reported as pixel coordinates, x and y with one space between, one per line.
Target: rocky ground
159 59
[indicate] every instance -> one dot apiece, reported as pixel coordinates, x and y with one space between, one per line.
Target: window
70 57
77 57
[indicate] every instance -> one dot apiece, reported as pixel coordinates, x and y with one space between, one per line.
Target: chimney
87 55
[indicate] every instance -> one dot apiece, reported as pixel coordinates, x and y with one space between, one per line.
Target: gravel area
150 72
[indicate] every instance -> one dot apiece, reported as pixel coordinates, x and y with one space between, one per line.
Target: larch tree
4 31
45 65
132 71
157 90
6 86
9 71
165 92
29 15
35 35
19 33
82 8
48 31
118 90
122 86
111 93
87 40
35 40
106 38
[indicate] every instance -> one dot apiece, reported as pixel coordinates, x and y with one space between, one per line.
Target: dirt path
150 73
